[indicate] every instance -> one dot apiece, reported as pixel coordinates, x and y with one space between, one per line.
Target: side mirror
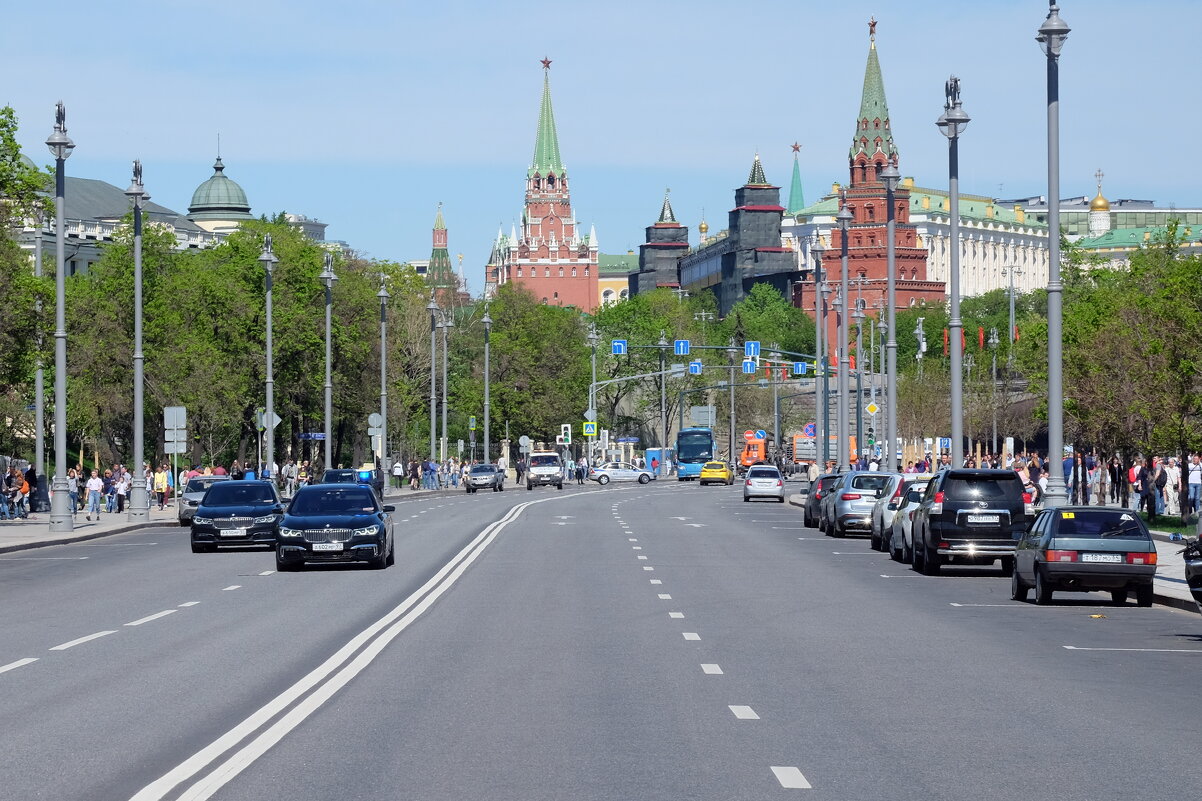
390 508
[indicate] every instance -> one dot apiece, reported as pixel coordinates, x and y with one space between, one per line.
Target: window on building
519 272
546 272
876 124
551 181
561 272
607 296
870 210
555 295
573 272
623 294
586 272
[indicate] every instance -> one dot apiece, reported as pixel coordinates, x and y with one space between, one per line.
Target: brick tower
440 273
659 256
547 254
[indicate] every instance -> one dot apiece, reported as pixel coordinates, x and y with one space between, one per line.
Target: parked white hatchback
764 481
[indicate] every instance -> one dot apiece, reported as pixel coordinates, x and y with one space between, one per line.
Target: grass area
1173 525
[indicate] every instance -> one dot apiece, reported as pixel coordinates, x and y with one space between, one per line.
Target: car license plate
984 518
1102 557
327 546
233 532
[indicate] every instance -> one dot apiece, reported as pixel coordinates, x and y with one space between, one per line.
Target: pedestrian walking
160 486
1194 482
95 485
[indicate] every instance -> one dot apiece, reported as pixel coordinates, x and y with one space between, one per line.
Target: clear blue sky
365 114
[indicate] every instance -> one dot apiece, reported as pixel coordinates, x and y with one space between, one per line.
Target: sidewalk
34 531
1170 586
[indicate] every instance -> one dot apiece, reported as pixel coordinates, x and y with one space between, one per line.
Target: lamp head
890 176
137 192
1053 32
488 323
58 142
817 247
432 307
327 275
267 257
844 217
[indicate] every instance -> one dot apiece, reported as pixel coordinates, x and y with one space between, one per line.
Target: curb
67 540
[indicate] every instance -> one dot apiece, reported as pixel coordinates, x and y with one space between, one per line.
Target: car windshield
1101 523
873 482
825 483
338 477
982 487
763 472
694 446
482 468
239 493
341 501
713 465
201 484
544 460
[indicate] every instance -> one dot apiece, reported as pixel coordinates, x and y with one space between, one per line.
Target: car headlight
265 519
290 532
366 531
204 521
190 503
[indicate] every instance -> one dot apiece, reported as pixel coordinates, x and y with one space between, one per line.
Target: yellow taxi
716 473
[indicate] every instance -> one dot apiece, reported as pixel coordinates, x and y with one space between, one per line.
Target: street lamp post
328 278
447 324
817 248
139 500
40 498
858 315
825 291
844 218
663 400
889 453
268 259
842 423
1051 38
952 123
432 307
1012 270
60 503
732 352
487 333
891 176
591 416
993 343
384 296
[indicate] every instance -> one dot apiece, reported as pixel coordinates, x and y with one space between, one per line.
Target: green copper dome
219 198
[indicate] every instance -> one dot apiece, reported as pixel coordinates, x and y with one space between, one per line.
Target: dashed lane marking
231 587
791 778
676 615
656 581
266 572
648 567
743 712
711 670
636 548
82 640
186 604
19 663
663 596
691 635
149 618
642 556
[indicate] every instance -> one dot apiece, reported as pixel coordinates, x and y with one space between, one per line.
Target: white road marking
231 587
790 528
1017 605
744 712
19 663
711 670
663 596
692 635
791 778
656 581
155 616
676 615
648 567
109 544
308 694
682 518
43 558
855 553
636 548
266 572
82 640
188 603
903 575
1144 650
642 556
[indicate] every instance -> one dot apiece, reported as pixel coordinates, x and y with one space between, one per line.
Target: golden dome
1099 203
703 227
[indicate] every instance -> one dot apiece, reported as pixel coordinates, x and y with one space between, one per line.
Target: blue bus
694 447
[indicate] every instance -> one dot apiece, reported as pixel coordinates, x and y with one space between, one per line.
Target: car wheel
184 523
1118 597
602 479
894 552
930 562
1144 595
500 488
746 499
391 556
559 486
907 552
643 479
200 547
1018 590
529 486
874 541
807 521
378 562
918 558
286 565
780 500
836 530
1007 565
1043 593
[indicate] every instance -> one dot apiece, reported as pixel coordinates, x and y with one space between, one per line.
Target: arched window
546 272
607 296
550 181
870 210
519 272
561 272
623 294
573 272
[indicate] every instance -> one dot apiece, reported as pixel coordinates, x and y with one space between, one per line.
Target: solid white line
19 663
656 581
1144 650
711 670
319 684
231 587
744 712
155 616
188 603
789 528
903 575
691 635
266 572
43 558
663 596
791 778
82 640
676 615
855 553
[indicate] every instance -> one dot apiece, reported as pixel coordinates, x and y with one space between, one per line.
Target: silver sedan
764 481
620 471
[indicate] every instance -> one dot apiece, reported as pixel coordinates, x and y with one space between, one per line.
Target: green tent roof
546 141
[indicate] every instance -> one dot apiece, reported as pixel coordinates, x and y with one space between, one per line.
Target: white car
901 542
620 471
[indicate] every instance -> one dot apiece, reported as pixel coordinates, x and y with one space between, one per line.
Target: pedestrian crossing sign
589 429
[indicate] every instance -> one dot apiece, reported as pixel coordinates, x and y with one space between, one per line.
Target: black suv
972 517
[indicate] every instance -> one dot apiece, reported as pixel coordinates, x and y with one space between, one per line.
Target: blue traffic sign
619 347
810 430
695 368
680 347
799 368
945 443
318 435
749 366
761 434
751 348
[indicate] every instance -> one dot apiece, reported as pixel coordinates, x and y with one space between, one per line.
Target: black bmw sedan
236 513
335 523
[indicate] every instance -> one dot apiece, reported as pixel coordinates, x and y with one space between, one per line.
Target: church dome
704 227
1099 203
219 198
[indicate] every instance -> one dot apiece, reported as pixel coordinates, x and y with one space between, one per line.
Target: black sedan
335 523
1083 548
236 513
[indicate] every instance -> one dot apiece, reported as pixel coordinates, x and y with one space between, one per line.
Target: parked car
882 511
485 476
236 513
716 473
619 471
194 490
851 504
900 543
764 481
818 488
1085 548
970 516
335 523
826 506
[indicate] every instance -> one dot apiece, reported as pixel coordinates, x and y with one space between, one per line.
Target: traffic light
566 432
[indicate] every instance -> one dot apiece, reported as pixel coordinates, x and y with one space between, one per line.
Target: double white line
316 688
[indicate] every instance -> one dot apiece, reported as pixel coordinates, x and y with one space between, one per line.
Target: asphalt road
626 642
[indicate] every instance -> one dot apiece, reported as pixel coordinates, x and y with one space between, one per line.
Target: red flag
852 360
946 340
963 341
1016 333
980 338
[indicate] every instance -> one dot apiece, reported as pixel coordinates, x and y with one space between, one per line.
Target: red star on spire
796 148
546 62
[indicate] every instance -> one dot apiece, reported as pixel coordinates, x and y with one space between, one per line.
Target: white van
544 468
